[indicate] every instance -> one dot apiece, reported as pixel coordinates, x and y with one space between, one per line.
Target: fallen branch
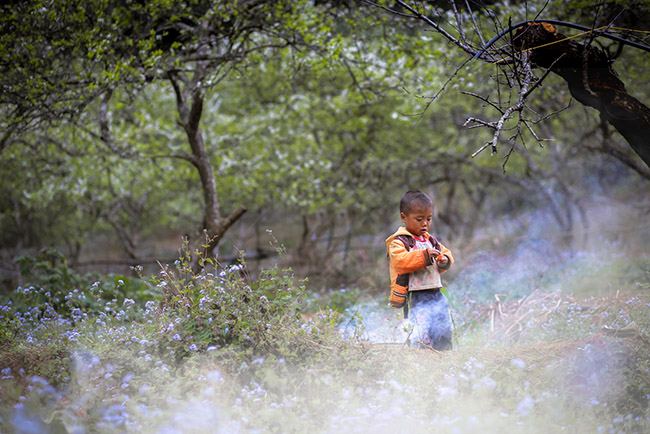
625 332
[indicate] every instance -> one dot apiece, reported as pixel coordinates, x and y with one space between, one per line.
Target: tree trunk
190 117
591 80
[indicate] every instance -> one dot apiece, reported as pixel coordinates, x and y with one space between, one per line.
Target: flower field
227 353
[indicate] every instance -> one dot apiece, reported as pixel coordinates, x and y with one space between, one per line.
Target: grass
223 352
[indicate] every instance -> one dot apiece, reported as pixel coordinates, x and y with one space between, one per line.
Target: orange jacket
404 261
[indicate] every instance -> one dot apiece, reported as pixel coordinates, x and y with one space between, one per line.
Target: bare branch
480 122
539 81
481 149
507 113
534 134
459 22
444 86
478 31
543 118
450 38
485 99
392 11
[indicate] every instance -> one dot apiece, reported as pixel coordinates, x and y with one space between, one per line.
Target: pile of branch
507 318
506 321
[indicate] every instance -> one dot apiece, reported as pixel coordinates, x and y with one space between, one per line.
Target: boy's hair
413 198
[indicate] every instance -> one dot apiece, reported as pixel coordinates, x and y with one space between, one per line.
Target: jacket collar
402 231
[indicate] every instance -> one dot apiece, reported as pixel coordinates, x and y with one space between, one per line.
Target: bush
221 349
51 282
244 317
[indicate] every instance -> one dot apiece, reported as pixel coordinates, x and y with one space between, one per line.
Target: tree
316 136
587 69
62 58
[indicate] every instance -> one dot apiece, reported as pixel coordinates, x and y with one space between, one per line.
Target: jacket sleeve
406 261
445 251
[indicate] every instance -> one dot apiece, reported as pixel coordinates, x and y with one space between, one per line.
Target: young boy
416 261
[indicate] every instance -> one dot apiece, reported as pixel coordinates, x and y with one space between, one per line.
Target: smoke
428 323
98 397
429 314
528 310
540 364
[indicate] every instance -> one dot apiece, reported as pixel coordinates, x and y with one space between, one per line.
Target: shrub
52 284
228 310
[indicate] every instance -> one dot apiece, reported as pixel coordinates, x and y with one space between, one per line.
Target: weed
220 351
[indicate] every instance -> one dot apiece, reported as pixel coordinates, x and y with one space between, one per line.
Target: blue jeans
428 310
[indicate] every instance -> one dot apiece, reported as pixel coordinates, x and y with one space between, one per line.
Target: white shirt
427 277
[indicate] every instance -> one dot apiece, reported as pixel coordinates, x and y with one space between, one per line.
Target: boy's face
418 219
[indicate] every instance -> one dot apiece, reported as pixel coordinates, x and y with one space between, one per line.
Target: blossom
525 405
518 363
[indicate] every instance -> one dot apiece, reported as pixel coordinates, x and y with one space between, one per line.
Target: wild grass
224 352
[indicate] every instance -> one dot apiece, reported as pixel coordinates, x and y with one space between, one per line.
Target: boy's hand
442 261
434 253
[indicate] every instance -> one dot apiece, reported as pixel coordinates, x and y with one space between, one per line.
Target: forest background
143 137
316 133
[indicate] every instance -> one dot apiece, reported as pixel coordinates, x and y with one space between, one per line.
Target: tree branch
105 125
468 49
485 99
181 105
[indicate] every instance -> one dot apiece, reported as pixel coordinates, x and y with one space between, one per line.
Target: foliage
230 310
319 141
59 56
319 138
194 46
227 310
53 292
129 376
